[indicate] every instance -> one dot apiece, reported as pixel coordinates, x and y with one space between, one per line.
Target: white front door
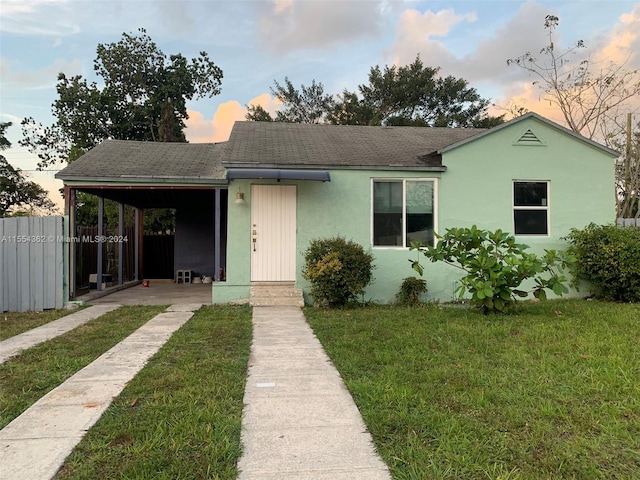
273 233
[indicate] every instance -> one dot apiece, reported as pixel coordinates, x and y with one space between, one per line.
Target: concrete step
276 302
276 294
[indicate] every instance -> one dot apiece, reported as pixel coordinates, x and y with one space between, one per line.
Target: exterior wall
478 186
341 207
238 240
195 233
476 189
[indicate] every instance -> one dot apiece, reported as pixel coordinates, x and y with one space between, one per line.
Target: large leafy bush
338 270
495 266
608 256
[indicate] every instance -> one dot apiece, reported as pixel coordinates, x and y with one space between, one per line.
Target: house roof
275 145
153 162
293 145
525 117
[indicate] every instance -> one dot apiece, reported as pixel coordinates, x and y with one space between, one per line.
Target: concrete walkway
14 345
35 445
159 292
299 420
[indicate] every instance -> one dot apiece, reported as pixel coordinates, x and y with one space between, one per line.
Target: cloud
46 77
415 32
175 16
13 7
623 43
288 25
428 33
484 65
32 18
282 5
201 130
268 102
523 33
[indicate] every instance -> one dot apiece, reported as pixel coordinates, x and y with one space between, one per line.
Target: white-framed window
530 207
403 211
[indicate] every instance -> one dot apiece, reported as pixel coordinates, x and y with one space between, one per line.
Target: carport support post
70 212
120 242
216 245
99 240
136 247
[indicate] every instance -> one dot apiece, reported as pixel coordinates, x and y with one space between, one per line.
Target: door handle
254 238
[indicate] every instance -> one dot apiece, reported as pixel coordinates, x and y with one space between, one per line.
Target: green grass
447 393
37 370
180 417
14 323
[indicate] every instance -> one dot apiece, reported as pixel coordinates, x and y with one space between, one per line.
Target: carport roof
126 161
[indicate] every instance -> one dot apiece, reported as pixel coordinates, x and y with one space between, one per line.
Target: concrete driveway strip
299 420
36 443
14 345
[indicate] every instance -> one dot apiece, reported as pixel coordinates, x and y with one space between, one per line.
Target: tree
628 172
413 95
144 98
495 267
410 95
591 96
304 105
15 191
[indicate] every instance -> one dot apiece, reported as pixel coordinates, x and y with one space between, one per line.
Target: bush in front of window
495 266
338 270
410 291
608 256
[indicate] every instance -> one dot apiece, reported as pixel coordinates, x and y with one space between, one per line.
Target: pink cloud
218 129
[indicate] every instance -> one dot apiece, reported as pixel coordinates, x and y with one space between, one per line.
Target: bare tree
628 172
594 99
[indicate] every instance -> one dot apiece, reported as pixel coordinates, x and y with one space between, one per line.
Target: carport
186 177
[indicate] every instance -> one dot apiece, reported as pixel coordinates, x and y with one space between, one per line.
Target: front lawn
14 323
552 392
37 370
180 416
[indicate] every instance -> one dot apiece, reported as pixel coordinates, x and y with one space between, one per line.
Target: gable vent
529 138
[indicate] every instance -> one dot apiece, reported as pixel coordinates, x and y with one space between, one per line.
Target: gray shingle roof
269 145
148 161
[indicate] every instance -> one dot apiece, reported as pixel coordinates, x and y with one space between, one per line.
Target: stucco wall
478 185
195 233
476 189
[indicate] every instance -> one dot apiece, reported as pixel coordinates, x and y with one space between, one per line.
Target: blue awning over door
278 174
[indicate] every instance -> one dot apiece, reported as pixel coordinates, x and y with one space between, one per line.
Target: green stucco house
246 209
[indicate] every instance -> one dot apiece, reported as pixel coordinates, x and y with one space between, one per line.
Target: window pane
387 213
419 212
530 194
387 197
530 222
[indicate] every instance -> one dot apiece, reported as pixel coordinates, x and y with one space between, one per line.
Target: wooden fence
31 263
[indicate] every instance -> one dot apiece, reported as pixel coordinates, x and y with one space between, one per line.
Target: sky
334 42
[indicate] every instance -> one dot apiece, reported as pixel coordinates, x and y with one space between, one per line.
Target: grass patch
180 417
552 392
15 323
37 370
